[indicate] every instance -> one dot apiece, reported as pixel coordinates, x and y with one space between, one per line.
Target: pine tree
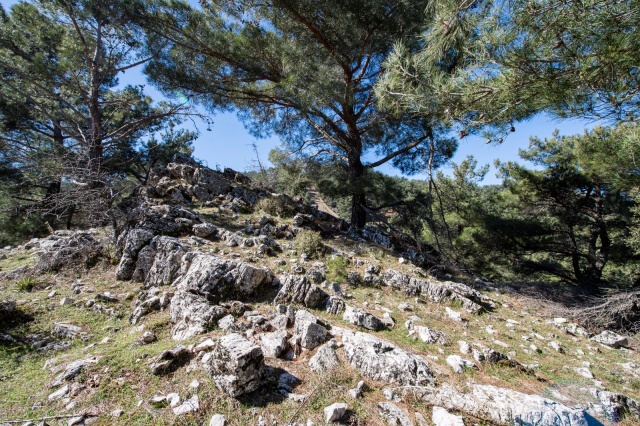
304 70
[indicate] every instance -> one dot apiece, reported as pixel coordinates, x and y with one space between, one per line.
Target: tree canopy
66 123
305 70
520 57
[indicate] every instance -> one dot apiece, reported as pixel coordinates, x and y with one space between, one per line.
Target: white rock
441 417
458 364
383 361
226 322
66 301
59 393
464 347
453 315
273 344
393 414
190 405
584 372
556 346
173 399
325 359
504 406
218 420
195 384
335 412
609 338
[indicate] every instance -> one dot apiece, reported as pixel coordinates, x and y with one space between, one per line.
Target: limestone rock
441 417
312 334
431 336
458 364
170 359
362 318
470 299
189 406
616 406
193 314
325 358
220 279
393 414
380 360
236 365
275 343
136 240
298 289
335 305
335 412
218 420
503 406
59 393
159 262
609 338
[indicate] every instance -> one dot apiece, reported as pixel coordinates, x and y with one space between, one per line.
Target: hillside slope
218 304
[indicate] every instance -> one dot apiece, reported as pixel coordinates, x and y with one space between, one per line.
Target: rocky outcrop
380 360
159 262
615 406
393 414
220 279
502 406
136 240
236 365
609 338
80 249
312 334
470 299
325 358
362 318
193 314
299 289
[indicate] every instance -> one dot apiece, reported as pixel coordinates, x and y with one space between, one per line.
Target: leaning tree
304 70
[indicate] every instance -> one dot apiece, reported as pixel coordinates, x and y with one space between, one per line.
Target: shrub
309 242
279 205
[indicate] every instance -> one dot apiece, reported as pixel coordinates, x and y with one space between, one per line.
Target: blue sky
228 144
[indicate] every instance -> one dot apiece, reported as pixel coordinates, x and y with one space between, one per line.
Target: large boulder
312 334
159 262
193 314
220 279
362 318
136 240
236 365
616 406
380 360
299 289
502 406
609 338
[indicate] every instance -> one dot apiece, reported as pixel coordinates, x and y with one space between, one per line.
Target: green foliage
338 268
67 131
496 62
27 283
303 70
309 242
280 205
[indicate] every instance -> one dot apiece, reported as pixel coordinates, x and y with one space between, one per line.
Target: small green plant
338 269
309 242
280 205
27 283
